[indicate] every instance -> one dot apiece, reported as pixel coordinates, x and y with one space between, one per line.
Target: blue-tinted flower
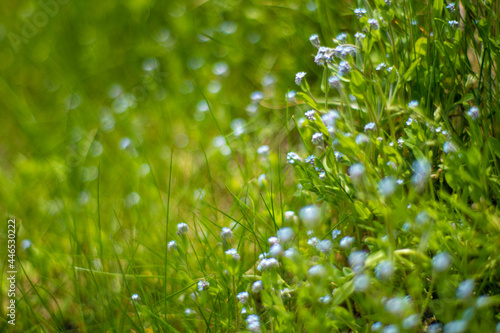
384 271
457 326
346 242
373 24
313 241
449 147
257 96
465 289
317 271
413 104
327 299
381 66
317 139
361 139
267 263
338 155
314 39
359 35
369 127
409 121
359 12
310 215
336 233
292 157
182 228
377 326
324 246
473 113
335 82
263 150
357 260
298 78
234 254
289 215
285 234
226 233
344 68
242 297
257 287
356 171
276 250
203 285
361 283
172 245
310 114
388 3
341 37
411 321
310 160
253 323
188 312
135 298
453 24
421 173
451 7
441 262
391 329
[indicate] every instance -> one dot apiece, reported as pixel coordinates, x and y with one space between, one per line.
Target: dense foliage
253 166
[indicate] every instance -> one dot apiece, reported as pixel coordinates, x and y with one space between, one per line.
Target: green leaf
409 73
363 212
421 46
438 7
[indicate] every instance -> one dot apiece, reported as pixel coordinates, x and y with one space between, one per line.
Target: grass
110 142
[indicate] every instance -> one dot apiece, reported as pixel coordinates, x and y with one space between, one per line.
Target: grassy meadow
250 166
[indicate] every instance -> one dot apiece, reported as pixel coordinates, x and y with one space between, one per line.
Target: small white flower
317 139
310 215
226 233
387 186
384 271
285 234
233 253
267 264
203 285
317 271
276 250
362 139
263 150
369 127
344 68
313 241
360 35
346 242
310 114
361 283
336 233
373 24
289 215
273 240
413 104
314 39
356 171
135 298
292 157
325 246
359 12
453 24
242 297
257 287
172 245
465 289
298 78
441 262
188 312
473 113
182 228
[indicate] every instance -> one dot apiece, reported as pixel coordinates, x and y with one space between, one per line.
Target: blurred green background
95 95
